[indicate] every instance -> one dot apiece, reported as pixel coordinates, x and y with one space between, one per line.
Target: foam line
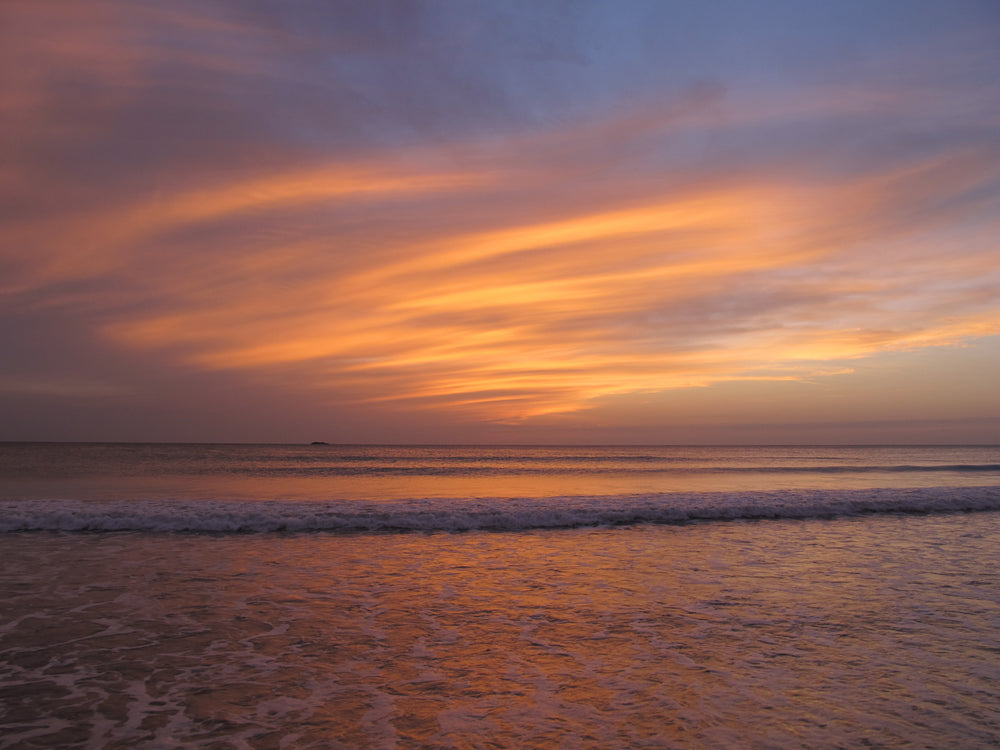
497 513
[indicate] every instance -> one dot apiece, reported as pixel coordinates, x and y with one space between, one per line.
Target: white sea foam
499 514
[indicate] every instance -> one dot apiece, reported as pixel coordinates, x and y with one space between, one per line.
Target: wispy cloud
515 320
261 197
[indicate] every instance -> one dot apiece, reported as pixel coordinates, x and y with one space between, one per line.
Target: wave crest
489 514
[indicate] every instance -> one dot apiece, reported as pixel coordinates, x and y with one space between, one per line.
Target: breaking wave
487 514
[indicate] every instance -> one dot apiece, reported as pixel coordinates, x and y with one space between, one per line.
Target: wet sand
882 630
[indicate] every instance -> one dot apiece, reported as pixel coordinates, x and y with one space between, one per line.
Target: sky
568 221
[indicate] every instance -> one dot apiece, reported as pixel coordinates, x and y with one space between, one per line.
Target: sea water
498 597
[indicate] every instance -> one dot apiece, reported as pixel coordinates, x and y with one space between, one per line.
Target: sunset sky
500 221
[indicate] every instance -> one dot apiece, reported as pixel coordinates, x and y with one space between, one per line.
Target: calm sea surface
170 596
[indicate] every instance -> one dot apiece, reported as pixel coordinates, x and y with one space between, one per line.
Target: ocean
334 596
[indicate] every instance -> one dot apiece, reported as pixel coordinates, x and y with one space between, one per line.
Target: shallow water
130 472
66 487
882 630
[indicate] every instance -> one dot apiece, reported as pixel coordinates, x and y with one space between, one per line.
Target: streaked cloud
252 191
695 287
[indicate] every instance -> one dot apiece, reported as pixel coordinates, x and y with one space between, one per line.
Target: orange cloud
513 322
511 277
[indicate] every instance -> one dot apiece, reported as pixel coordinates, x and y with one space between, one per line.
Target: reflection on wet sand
772 633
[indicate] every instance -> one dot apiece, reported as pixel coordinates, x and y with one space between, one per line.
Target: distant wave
869 468
491 514
390 469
